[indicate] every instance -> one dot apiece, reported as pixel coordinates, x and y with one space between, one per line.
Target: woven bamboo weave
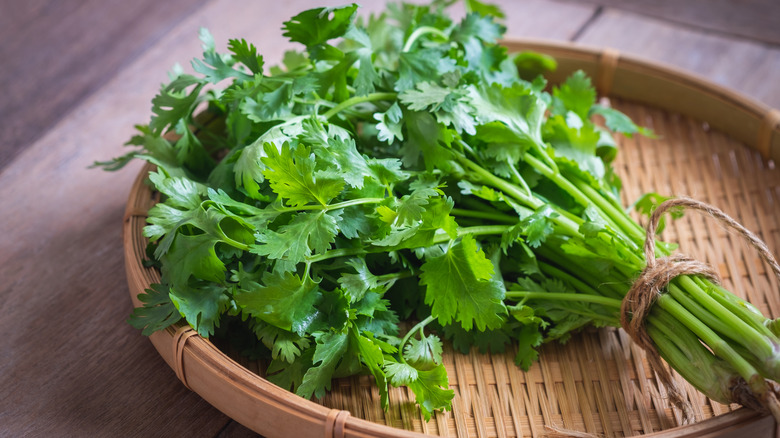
597 383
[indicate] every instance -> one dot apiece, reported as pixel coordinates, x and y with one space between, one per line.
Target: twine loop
659 272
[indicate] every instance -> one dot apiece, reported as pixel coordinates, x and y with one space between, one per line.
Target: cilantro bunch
399 168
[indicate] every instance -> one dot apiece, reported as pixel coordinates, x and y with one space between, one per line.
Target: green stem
518 178
335 253
565 296
336 206
682 349
629 226
568 226
479 230
498 217
596 279
739 330
578 284
742 309
420 31
570 188
720 347
355 100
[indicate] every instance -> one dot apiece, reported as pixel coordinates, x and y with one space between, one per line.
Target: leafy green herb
406 167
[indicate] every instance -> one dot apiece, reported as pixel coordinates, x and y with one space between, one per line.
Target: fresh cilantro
284 300
460 287
403 166
157 311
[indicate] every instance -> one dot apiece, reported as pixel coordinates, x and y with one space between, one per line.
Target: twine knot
656 276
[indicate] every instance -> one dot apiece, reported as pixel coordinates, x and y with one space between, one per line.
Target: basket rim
200 357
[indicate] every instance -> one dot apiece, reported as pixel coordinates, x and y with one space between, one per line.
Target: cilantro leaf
400 374
372 357
246 54
425 353
291 175
461 287
192 255
284 345
327 355
317 26
174 103
429 391
390 124
285 300
306 233
538 225
528 339
202 305
157 311
576 94
290 375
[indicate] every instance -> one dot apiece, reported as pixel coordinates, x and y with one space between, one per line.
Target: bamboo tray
714 145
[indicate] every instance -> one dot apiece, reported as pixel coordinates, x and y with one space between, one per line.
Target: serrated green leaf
319 25
173 103
291 175
425 353
576 94
284 300
460 287
430 391
390 124
538 226
307 233
192 256
400 374
327 354
157 311
246 54
202 305
284 345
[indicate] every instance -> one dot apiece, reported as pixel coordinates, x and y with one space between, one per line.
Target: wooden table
77 75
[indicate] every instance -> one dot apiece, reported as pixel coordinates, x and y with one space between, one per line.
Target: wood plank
757 20
748 67
70 364
56 53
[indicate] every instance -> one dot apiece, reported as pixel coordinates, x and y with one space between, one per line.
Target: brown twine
656 276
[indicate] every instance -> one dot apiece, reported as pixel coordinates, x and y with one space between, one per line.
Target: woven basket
713 144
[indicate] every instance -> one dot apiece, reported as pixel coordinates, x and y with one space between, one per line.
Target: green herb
401 168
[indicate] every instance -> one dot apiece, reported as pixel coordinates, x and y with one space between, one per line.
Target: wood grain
76 76
757 20
749 67
56 53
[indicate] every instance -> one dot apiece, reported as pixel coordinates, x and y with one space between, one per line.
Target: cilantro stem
565 296
578 284
739 330
335 253
517 178
418 327
498 217
720 347
420 31
631 228
356 100
569 227
479 230
329 207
